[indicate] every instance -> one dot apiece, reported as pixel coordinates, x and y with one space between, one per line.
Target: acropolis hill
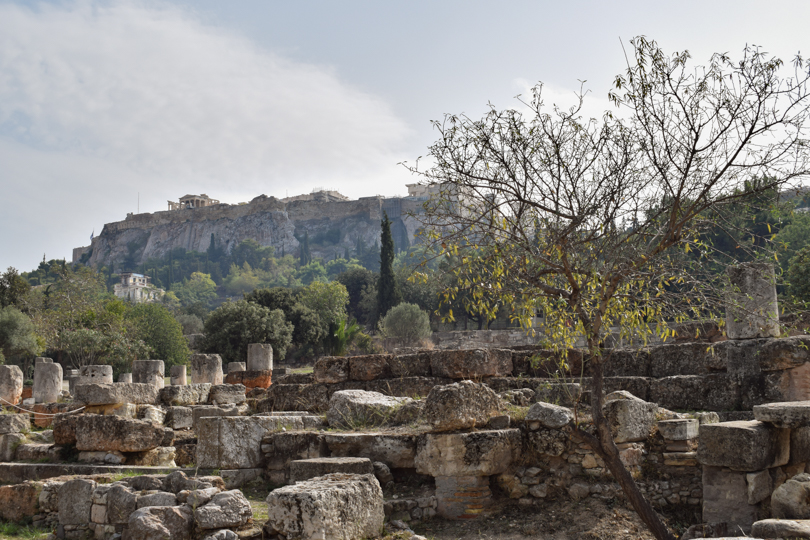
190 223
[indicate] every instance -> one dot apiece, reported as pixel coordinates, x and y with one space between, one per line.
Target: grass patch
126 474
16 531
305 369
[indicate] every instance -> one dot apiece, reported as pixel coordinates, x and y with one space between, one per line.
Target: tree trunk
604 446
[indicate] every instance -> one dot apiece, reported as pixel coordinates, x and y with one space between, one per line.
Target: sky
110 107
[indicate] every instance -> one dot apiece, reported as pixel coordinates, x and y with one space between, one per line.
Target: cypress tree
388 294
305 256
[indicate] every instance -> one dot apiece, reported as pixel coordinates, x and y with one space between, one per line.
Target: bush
406 322
233 325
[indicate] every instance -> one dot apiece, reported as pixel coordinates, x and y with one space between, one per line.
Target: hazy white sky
110 106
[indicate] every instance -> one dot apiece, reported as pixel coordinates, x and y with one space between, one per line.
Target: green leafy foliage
17 334
406 322
799 275
231 327
161 332
388 294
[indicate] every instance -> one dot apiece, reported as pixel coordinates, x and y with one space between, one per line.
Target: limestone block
398 451
189 394
471 363
742 357
113 393
47 382
236 366
480 453
791 500
783 353
713 392
677 359
781 528
161 456
206 368
280 448
356 409
630 418
331 370
101 374
14 423
725 499
177 375
800 445
8 445
226 509
552 442
295 397
461 405
156 498
124 410
64 428
305 469
222 534
236 478
679 430
196 497
150 372
113 433
250 379
160 522
548 415
462 497
221 394
369 367
260 357
333 506
20 501
409 365
121 503
153 414
791 414
75 500
11 384
234 442
752 310
743 445
628 363
201 411
179 418
759 486
125 378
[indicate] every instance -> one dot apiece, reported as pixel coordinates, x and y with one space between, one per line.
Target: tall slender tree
388 294
305 256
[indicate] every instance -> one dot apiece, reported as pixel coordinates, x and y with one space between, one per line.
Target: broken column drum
149 372
11 384
236 366
47 383
96 374
206 368
259 357
752 310
177 375
125 378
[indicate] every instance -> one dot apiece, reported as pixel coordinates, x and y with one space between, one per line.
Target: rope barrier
40 413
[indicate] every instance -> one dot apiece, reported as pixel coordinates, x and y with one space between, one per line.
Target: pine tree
388 294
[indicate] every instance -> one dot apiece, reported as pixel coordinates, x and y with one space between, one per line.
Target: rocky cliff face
265 219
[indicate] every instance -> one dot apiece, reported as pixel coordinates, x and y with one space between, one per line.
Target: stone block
236 478
471 363
19 502
461 405
746 446
250 379
409 365
397 451
226 509
121 502
725 499
14 423
11 384
752 310
234 442
190 394
548 415
153 414
221 394
236 366
356 409
678 359
157 498
679 430
759 486
260 357
332 506
206 368
791 414
100 374
125 377
47 382
179 418
177 376
742 357
295 397
791 500
783 353
479 453
712 392
280 448
8 445
113 433
331 370
305 469
113 393
124 410
202 411
369 367
628 363
463 497
630 418
160 522
152 372
75 500
781 528
64 428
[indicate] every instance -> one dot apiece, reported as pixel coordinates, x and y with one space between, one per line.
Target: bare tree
600 223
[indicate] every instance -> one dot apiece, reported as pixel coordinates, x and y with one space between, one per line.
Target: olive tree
598 223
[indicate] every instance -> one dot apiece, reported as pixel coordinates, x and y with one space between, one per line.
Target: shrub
406 322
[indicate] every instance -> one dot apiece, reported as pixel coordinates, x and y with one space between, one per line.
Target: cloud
148 93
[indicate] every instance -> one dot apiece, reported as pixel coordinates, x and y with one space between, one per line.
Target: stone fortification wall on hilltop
267 220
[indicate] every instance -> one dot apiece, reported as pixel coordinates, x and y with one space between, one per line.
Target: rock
113 433
189 394
64 428
759 486
331 370
462 405
552 442
677 359
409 365
20 501
369 367
223 534
197 497
783 353
112 393
359 409
14 423
11 384
752 307
712 392
511 486
233 367
205 368
791 500
396 450
159 523
47 382
121 502
202 411
260 357
221 394
234 442
630 418
177 376
743 445
707 417
157 498
781 528
550 416
678 430
579 491
152 372
471 363
791 414
725 499
226 509
295 397
8 445
162 456
250 379
382 473
480 453
332 506
152 414
179 418
304 469
75 500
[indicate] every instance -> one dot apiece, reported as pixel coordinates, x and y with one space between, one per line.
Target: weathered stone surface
743 445
461 405
47 382
791 500
682 429
64 428
177 376
280 448
159 523
369 367
471 363
233 367
678 359
463 497
630 418
189 394
295 397
75 500
113 393
152 372
712 392
783 353
359 409
179 417
791 414
222 534
331 369
201 411
153 414
304 469
14 423
221 394
395 450
333 506
234 442
125 377
800 445
206 368
409 365
259 357
548 415
250 379
11 384
19 501
628 363
725 499
113 433
480 453
162 456
752 310
759 486
156 498
8 445
781 528
552 442
226 509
